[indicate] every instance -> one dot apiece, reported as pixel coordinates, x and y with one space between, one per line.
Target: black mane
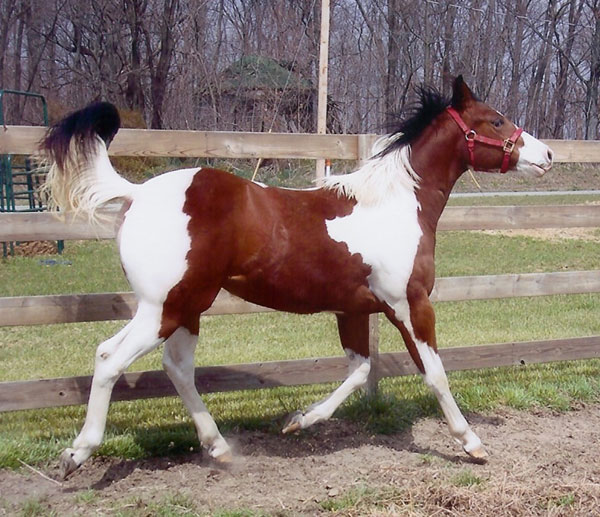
418 116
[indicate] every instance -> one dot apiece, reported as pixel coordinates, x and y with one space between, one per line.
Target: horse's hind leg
354 336
178 361
113 356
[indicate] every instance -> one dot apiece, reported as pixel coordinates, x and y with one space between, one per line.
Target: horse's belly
303 295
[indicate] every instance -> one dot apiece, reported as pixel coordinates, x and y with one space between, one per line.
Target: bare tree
164 58
564 50
592 83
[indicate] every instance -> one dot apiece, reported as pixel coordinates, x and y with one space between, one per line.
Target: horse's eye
498 123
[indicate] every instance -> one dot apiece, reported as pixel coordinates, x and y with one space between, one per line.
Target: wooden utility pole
323 70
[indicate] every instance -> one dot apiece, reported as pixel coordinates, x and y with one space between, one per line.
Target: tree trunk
427 47
562 81
449 57
535 108
8 9
161 72
393 56
134 91
592 84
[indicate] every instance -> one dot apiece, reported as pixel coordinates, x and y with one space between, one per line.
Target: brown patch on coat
269 246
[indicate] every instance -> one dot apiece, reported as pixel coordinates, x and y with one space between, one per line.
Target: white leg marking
178 361
359 368
113 357
435 378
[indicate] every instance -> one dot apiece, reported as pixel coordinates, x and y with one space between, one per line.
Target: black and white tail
81 177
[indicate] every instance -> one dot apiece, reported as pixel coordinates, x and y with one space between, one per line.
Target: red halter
507 145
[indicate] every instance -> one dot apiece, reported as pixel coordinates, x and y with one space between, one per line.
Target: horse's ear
461 94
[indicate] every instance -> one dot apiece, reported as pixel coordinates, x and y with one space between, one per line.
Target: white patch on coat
379 178
383 226
154 238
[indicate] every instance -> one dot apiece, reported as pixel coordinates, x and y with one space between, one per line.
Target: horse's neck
432 198
438 172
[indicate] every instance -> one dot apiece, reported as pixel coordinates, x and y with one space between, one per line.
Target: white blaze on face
535 157
154 238
386 235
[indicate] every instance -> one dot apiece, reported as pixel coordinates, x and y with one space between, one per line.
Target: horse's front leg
415 319
354 336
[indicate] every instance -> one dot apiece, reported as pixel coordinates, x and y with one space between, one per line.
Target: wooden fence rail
77 308
196 144
140 385
105 306
33 226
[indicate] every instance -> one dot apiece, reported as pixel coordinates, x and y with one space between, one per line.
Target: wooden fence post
374 374
365 143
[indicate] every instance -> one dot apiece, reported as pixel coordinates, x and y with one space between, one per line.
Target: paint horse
358 244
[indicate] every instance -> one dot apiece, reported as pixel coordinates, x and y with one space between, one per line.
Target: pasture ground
541 463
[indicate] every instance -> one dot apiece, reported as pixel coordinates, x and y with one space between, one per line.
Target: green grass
171 505
350 500
94 267
466 478
364 500
476 253
163 427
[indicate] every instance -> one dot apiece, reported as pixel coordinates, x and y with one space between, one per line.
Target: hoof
478 454
293 423
224 459
220 452
67 463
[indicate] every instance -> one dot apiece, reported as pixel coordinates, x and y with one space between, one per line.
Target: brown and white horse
359 244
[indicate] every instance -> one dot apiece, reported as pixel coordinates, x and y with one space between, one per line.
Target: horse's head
492 142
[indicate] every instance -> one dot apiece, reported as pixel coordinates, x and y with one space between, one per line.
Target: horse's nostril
550 155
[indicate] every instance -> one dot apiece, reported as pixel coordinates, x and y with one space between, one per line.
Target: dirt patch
540 464
34 248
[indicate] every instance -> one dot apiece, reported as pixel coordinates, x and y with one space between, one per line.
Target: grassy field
162 426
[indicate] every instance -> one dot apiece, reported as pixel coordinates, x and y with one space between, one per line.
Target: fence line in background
151 384
78 308
220 144
33 226
104 306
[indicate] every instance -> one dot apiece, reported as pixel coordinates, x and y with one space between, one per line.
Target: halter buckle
470 135
508 146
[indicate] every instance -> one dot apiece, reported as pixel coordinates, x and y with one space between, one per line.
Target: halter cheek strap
471 136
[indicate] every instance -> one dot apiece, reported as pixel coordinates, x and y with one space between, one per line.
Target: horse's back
193 231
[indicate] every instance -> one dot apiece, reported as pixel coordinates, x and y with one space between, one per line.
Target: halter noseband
471 136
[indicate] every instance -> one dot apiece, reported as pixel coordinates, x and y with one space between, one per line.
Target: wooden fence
37 310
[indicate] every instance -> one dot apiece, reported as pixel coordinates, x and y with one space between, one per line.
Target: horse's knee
106 370
359 369
361 375
105 350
